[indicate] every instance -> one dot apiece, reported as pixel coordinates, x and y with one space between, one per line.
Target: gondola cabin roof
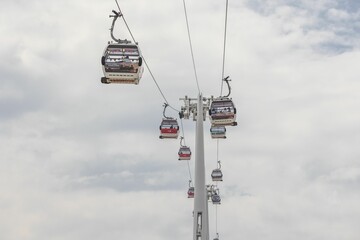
123 49
184 149
169 122
222 102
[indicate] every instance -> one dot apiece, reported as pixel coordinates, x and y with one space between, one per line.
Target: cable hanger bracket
227 80
115 17
165 106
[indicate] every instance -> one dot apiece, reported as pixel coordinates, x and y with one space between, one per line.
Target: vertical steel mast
200 213
201 218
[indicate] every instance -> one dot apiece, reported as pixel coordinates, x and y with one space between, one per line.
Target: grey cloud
307 17
83 160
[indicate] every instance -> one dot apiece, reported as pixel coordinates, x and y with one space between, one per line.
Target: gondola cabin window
122 59
222 107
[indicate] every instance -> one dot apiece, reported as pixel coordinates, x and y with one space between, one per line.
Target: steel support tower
200 213
201 218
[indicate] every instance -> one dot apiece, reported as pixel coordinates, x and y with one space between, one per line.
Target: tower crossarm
190 107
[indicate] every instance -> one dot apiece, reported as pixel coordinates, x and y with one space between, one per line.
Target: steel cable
191 48
146 64
156 83
224 49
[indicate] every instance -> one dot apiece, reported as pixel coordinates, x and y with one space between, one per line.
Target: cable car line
217 151
157 85
222 112
183 138
189 169
145 62
127 26
191 48
216 219
182 130
224 49
168 127
221 92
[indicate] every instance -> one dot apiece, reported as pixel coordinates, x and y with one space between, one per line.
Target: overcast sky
82 160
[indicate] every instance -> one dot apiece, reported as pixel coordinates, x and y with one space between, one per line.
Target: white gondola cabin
184 153
218 132
217 175
215 198
222 112
122 63
169 128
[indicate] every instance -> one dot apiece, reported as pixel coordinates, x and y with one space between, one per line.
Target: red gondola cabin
169 128
184 153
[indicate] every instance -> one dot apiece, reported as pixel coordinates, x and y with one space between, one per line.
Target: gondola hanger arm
115 17
165 106
227 80
181 142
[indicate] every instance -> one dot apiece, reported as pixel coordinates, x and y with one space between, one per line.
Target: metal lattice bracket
190 107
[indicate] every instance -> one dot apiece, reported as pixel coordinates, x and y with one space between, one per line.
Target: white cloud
83 160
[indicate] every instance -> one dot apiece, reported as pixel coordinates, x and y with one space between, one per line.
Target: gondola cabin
218 132
222 112
169 128
122 63
184 153
217 175
191 192
216 199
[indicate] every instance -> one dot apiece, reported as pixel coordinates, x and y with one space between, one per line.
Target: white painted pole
201 219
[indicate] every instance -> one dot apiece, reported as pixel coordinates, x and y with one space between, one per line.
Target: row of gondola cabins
122 63
213 194
222 113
